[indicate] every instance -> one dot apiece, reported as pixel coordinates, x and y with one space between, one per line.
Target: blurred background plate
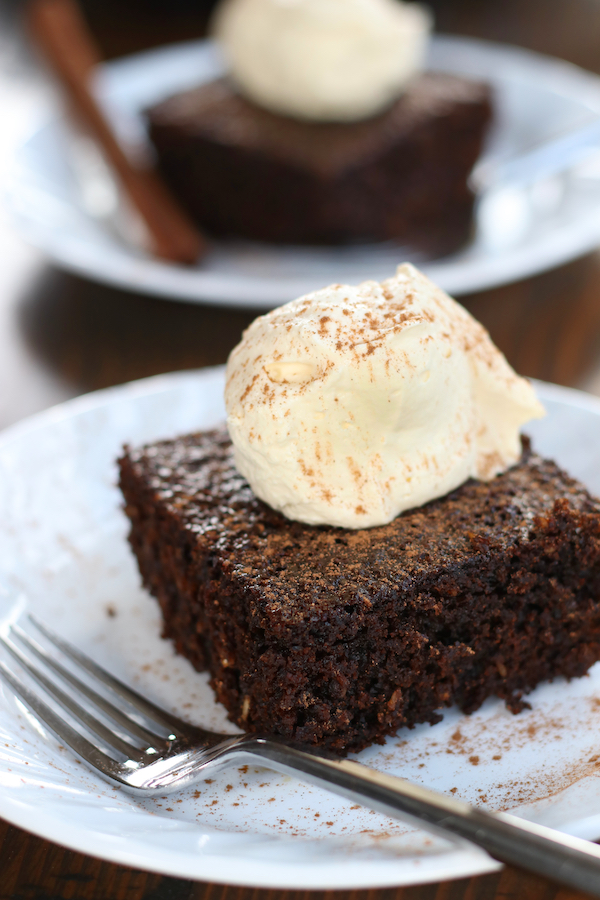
57 206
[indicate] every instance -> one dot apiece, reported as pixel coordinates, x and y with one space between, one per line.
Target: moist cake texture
243 171
338 637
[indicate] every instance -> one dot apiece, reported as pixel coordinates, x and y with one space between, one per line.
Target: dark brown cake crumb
338 637
243 171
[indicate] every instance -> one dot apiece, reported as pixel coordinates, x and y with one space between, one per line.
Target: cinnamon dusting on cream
378 397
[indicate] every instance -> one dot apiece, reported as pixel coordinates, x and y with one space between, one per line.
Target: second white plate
536 98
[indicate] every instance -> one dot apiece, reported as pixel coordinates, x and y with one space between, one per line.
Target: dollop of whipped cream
335 60
352 404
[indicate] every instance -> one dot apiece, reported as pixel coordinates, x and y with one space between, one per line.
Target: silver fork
148 750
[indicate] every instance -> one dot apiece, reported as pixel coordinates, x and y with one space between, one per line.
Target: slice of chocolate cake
241 170
339 637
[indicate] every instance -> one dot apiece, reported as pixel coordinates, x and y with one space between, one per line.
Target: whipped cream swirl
333 60
352 404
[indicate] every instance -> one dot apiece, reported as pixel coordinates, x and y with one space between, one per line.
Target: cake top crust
291 567
215 110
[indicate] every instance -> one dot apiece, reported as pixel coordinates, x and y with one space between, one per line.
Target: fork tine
117 715
77 711
143 707
62 730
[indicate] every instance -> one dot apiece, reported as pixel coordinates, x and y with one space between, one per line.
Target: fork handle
568 860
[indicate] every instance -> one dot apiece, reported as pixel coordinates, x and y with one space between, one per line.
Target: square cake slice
336 637
242 171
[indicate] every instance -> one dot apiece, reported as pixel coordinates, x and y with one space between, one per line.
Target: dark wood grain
61 335
34 869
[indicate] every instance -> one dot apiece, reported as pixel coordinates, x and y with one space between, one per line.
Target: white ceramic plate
54 193
63 554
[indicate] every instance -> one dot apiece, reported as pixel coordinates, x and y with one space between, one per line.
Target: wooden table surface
61 336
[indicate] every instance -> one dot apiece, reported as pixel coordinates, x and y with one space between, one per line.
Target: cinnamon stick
64 38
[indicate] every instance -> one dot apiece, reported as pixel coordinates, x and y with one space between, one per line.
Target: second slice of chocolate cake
338 637
242 171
